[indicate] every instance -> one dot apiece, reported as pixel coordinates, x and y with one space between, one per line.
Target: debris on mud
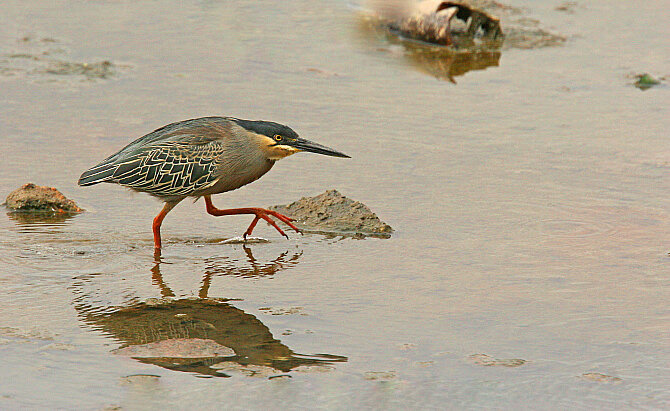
450 38
45 57
42 199
447 23
463 24
438 22
333 213
101 70
645 81
598 377
488 361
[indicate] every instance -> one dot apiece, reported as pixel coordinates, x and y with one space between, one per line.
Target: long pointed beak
306 145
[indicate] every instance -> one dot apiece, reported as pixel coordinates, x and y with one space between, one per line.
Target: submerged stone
331 212
488 361
99 70
598 377
31 197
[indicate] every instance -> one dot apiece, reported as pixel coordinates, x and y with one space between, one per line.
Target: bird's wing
171 168
187 149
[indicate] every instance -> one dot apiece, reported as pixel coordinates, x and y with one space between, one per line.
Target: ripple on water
570 224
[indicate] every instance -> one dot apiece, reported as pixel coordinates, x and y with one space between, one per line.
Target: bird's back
178 160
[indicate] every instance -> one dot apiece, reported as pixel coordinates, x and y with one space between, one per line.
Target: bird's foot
264 214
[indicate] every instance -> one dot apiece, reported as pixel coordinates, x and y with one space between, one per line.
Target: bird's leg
260 213
157 224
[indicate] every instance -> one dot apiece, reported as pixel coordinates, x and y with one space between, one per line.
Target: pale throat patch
275 152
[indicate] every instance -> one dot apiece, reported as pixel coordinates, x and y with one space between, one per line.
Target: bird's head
278 141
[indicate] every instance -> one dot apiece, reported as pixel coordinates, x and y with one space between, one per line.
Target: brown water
530 202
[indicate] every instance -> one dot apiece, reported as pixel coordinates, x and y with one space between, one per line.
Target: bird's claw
265 215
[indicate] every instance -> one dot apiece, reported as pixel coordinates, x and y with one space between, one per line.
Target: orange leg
158 221
260 213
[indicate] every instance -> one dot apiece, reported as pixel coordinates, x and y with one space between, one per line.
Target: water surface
530 202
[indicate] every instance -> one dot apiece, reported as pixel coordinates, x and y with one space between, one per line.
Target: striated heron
201 157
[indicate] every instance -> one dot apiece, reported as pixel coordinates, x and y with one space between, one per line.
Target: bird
201 157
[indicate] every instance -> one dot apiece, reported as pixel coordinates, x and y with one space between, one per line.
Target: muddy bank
40 199
333 213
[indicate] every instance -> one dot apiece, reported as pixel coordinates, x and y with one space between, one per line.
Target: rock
333 213
488 361
380 375
595 376
31 197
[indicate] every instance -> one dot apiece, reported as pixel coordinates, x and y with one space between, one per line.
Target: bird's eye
278 137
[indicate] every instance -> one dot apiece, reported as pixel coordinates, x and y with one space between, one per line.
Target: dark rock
331 212
31 197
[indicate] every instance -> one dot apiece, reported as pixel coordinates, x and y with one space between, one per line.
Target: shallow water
529 200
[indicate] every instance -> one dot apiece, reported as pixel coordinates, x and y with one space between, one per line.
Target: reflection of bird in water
227 266
202 157
177 325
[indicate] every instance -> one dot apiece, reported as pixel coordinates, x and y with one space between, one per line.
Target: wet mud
47 58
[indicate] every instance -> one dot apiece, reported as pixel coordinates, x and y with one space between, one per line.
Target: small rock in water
595 376
488 361
31 197
331 212
379 375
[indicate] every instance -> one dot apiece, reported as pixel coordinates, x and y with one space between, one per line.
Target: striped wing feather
175 160
170 168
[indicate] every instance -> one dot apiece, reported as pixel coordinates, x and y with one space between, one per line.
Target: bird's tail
97 174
